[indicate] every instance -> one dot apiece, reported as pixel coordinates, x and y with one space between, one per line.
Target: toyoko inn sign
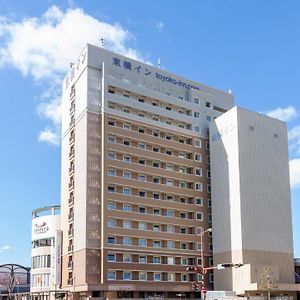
45 227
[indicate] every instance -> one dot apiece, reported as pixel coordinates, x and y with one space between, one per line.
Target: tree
267 281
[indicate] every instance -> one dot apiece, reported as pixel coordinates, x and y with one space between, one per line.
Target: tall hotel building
135 177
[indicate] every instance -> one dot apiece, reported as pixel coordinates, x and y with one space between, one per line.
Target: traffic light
195 287
229 265
194 269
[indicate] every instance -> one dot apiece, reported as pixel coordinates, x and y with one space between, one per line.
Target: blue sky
251 47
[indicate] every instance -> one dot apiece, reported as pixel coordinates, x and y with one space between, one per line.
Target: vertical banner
58 253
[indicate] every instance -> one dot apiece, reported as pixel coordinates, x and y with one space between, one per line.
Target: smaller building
46 252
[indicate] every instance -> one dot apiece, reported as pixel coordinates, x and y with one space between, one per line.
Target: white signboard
45 227
58 252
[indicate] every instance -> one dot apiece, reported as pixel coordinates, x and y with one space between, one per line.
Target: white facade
251 205
46 250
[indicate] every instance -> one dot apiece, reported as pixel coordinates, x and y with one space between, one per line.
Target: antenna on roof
158 63
102 42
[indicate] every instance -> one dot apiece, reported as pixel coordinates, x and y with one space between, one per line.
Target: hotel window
126 224
111 257
142 161
199 262
155 119
197 128
208 174
170 213
126 207
142 259
170 228
111 275
183 215
169 137
127 175
142 194
198 246
155 164
208 202
141 130
198 186
211 277
156 180
142 242
184 261
208 159
142 226
156 244
141 115
126 257
183 246
142 276
126 191
183 230
171 260
155 149
156 211
111 172
169 152
127 95
111 189
198 230
155 133
111 139
141 100
142 177
196 100
168 122
198 171
142 146
199 216
111 155
169 182
196 114
184 277
156 196
181 155
209 188
126 142
181 170
127 241
171 276
169 198
210 262
209 218
208 104
198 157
111 205
111 90
170 244
111 223
156 276
126 110
182 184
199 201
126 126
183 200
169 167
156 259
197 143
142 210
111 240
126 275
208 118
126 158
111 123
156 227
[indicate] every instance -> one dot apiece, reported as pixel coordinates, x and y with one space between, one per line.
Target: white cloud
295 173
5 248
284 114
42 48
50 136
159 25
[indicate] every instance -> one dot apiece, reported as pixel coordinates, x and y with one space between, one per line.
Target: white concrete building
251 206
46 252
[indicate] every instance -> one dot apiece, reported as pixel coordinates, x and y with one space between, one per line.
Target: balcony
71 200
71 232
70 248
71 216
70 264
71 154
71 169
72 139
71 185
70 281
